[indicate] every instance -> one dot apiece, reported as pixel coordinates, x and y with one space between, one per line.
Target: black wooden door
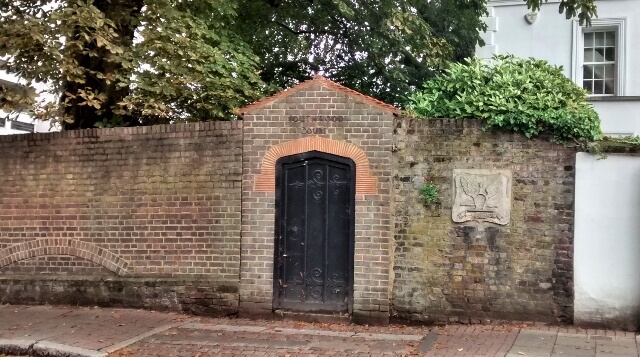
313 270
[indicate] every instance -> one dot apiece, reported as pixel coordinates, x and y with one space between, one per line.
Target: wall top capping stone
96 134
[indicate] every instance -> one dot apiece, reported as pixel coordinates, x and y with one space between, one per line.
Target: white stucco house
23 123
602 59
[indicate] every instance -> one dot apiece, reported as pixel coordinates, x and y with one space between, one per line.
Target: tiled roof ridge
324 81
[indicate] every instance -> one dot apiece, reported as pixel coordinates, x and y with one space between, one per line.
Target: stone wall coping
123 131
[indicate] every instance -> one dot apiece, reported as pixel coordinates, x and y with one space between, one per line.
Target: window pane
588 55
609 87
598 71
609 71
587 72
599 38
610 54
610 38
598 87
598 55
588 39
588 85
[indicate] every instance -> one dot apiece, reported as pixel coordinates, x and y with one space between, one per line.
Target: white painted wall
607 241
39 125
619 118
550 38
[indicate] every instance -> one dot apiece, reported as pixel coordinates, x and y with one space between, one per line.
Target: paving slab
292 331
618 342
387 336
541 340
573 350
612 349
527 353
218 327
578 342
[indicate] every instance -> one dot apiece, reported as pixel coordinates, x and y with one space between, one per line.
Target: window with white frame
599 62
599 57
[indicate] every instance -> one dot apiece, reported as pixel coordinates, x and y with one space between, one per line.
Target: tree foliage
527 96
183 63
191 64
382 48
462 29
137 62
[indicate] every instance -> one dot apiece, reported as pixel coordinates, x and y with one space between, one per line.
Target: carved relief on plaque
482 195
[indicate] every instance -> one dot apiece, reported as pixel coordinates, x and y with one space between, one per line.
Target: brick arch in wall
365 183
63 246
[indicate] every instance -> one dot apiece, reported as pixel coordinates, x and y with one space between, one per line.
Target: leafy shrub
527 96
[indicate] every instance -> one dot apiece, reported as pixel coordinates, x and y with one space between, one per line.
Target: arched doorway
314 233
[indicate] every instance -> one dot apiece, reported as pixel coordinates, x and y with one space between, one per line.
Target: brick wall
446 271
365 135
123 204
152 216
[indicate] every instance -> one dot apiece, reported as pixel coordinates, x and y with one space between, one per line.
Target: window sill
615 98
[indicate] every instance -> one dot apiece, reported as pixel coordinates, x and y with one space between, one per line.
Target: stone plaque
482 195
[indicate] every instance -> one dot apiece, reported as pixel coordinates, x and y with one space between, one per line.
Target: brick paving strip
196 339
473 340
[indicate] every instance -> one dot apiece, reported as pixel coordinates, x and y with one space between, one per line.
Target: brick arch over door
365 183
63 246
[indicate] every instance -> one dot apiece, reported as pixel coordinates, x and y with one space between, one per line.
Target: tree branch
305 32
273 3
292 30
411 58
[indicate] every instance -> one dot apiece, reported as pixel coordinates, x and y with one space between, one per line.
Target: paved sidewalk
96 332
517 340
